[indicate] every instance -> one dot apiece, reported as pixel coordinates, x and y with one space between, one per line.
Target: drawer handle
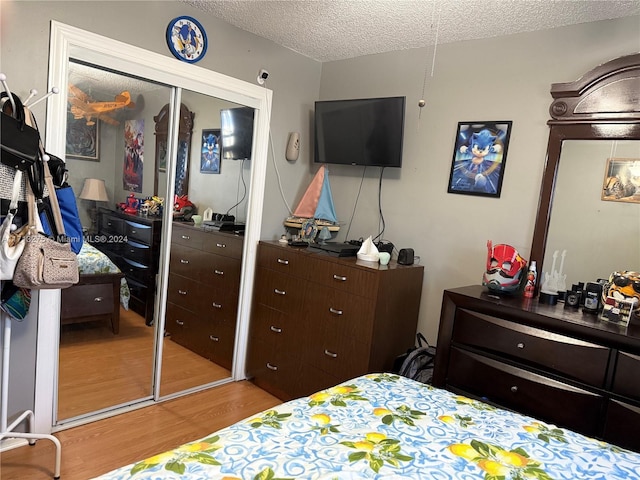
272 367
283 262
214 338
276 329
338 277
182 292
279 292
330 354
520 345
131 250
98 299
180 322
134 231
186 237
110 224
182 260
514 389
218 272
334 311
221 245
216 305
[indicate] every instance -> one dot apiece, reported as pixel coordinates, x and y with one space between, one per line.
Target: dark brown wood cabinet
557 364
133 243
204 284
318 320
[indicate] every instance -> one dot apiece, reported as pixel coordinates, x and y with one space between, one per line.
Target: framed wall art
621 180
83 141
210 152
479 158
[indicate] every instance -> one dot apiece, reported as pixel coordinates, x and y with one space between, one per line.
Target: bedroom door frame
71 42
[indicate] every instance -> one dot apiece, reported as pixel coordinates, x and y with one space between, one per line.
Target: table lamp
95 191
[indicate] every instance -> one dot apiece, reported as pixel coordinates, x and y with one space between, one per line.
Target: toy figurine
183 209
132 205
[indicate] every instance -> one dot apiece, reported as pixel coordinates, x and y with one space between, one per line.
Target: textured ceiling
328 30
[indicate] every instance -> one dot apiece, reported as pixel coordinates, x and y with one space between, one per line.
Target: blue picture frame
210 151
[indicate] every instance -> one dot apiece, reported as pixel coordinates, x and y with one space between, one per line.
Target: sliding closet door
107 334
205 262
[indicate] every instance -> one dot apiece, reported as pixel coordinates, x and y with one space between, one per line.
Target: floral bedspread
92 260
383 426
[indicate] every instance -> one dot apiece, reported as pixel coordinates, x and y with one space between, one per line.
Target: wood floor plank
98 447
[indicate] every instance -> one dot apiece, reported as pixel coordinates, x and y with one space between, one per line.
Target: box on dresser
555 364
318 319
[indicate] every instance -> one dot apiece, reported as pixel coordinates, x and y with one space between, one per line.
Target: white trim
67 41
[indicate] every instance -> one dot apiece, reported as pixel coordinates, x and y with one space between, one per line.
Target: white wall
504 78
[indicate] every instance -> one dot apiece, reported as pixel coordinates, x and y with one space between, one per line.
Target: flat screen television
365 131
236 125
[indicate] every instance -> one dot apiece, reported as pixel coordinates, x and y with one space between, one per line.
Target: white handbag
13 240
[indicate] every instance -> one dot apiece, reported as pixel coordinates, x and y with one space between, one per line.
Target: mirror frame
71 42
185 130
604 104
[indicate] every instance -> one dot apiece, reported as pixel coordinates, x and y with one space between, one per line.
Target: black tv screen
366 131
236 134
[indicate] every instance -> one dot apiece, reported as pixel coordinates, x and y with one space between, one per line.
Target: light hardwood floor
99 447
99 369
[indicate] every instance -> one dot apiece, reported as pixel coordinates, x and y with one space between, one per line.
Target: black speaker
405 256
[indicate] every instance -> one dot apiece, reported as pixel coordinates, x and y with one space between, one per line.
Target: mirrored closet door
159 154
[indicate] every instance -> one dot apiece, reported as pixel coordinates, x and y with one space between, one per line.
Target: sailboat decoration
316 204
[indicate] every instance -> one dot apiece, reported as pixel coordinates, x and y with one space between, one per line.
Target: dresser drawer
142 273
186 236
341 357
626 380
219 343
87 300
525 392
137 232
184 292
282 292
223 244
577 359
275 371
217 303
346 278
337 314
180 323
221 272
186 261
111 225
281 331
622 425
283 259
138 252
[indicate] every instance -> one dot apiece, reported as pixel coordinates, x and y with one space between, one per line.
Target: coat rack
7 431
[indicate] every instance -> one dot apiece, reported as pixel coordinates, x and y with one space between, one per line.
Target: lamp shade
94 189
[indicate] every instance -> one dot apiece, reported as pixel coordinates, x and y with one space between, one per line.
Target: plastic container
532 276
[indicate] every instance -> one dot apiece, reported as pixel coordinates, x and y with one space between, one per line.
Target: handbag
45 263
12 239
19 142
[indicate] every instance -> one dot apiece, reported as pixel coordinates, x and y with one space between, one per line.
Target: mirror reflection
596 210
118 170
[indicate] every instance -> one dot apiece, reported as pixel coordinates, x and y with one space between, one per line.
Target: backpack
417 363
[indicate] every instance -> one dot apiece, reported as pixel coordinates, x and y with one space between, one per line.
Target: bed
99 293
387 426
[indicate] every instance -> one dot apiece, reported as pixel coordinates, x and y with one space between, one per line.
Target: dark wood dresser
203 291
133 243
558 365
318 320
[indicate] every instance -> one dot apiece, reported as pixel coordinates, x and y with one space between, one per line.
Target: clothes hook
32 93
53 91
3 80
